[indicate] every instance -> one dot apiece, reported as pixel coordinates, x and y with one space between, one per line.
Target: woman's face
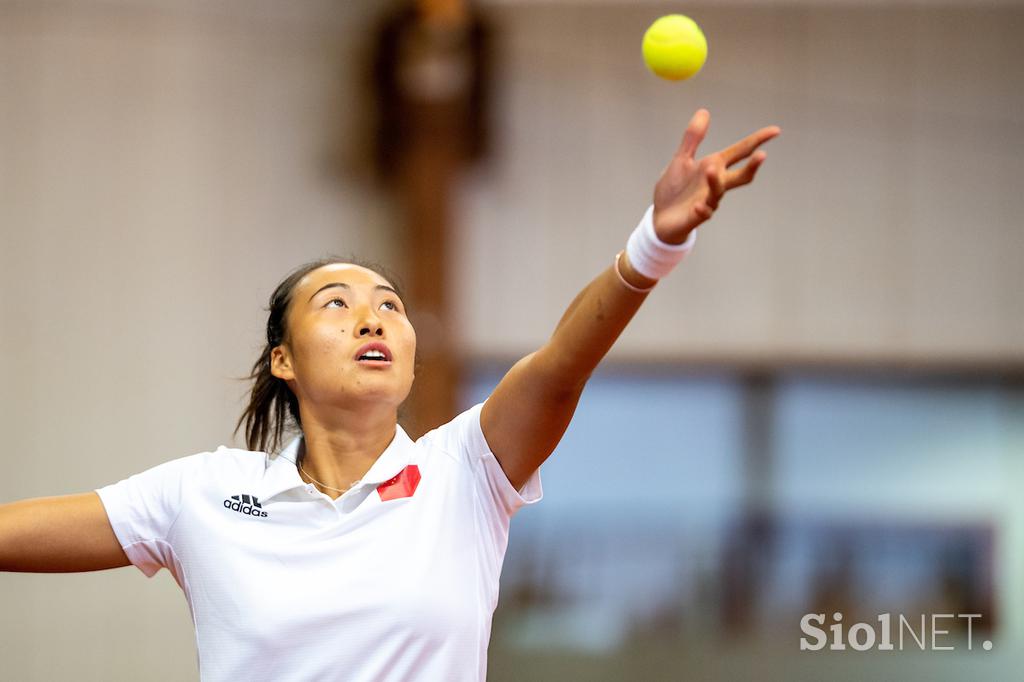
335 311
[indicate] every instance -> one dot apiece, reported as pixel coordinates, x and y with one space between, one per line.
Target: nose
369 323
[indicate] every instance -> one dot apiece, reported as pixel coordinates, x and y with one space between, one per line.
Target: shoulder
461 438
222 462
228 460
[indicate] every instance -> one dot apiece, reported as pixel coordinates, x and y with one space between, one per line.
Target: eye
394 306
332 301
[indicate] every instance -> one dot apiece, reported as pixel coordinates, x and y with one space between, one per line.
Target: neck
341 450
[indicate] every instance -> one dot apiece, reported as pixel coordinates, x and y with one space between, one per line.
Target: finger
695 132
716 185
745 175
703 211
745 147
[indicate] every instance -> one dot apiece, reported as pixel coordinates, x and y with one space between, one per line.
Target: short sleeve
142 509
464 436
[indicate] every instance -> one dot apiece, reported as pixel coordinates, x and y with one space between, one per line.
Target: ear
281 363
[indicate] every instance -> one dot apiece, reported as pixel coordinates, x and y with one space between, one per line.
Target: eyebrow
379 287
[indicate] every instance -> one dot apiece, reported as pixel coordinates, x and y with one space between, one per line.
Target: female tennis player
355 553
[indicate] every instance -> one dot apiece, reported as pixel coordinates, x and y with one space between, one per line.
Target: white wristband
650 256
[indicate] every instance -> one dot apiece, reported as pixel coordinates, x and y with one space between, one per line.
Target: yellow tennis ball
674 47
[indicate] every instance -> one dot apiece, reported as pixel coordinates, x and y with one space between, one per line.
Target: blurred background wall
822 408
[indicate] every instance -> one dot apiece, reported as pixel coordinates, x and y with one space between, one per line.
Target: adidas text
243 505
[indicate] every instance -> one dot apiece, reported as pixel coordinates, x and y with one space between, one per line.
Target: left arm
524 418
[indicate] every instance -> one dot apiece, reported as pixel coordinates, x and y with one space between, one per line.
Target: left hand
689 191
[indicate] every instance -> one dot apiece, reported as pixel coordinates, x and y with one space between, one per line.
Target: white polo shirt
397 579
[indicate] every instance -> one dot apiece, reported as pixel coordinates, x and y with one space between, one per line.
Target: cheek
321 344
412 344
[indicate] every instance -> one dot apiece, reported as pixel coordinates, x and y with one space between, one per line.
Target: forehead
348 273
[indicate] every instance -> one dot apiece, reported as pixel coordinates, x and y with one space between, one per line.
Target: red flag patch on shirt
402 484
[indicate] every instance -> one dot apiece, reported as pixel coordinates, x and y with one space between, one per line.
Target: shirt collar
280 473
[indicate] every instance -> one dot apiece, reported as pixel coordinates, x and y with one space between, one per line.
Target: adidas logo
245 504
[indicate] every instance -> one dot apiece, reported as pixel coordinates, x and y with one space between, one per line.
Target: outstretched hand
689 191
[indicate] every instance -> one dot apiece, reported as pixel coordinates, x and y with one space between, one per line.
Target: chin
389 395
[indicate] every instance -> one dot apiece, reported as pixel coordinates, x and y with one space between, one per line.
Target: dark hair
271 401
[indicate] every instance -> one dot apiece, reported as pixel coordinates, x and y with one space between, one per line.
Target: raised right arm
63 534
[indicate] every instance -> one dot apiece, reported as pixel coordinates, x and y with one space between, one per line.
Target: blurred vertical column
430 74
750 549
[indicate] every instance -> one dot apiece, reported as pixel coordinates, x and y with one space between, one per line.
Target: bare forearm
593 321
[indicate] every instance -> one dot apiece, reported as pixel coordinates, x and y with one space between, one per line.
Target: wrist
683 245
651 257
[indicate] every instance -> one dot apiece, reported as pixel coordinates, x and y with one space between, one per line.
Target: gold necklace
327 486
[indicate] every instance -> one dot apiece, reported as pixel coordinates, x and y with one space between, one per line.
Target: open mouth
374 354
